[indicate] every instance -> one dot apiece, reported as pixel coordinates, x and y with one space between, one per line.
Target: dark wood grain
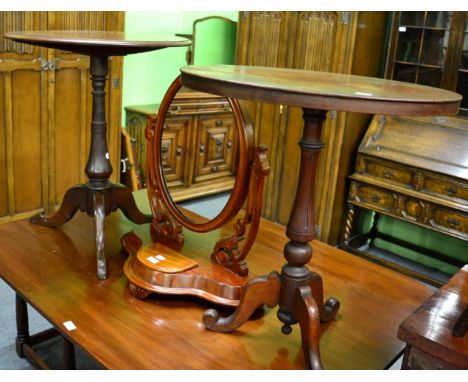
54 270
321 90
99 43
429 330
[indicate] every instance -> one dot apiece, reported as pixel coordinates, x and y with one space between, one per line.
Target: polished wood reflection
54 270
321 90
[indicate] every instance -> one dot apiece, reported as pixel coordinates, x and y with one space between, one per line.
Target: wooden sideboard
199 147
413 169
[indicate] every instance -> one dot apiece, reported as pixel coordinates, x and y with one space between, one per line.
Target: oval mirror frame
241 185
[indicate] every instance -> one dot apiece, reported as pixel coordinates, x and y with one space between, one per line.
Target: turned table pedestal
296 290
98 197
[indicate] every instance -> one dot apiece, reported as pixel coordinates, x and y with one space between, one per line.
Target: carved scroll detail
163 224
226 251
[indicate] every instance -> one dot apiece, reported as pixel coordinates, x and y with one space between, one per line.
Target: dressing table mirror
218 147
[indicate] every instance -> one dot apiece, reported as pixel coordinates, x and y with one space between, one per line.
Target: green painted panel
215 42
146 76
426 238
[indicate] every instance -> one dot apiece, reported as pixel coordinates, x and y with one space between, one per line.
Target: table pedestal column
98 197
297 290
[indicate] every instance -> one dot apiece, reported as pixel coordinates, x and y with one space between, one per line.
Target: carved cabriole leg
75 199
122 197
307 314
328 309
259 291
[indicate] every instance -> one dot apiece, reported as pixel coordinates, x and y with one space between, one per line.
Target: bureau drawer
372 197
446 219
436 185
385 170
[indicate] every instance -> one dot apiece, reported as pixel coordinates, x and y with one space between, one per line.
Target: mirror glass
199 153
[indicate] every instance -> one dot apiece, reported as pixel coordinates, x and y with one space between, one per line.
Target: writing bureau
413 169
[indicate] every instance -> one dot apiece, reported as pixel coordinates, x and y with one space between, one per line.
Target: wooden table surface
430 328
320 90
54 270
104 43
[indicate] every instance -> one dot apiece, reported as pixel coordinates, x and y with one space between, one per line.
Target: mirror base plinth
206 280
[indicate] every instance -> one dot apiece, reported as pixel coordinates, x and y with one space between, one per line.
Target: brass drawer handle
375 198
214 168
178 151
229 144
453 221
219 123
452 191
388 174
202 148
164 152
175 109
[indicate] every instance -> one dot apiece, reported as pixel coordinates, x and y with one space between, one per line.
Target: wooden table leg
22 325
68 355
98 169
297 291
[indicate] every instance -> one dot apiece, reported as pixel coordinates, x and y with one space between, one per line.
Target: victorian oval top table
298 291
98 197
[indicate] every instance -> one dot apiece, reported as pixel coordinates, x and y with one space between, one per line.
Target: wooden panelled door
45 112
322 41
301 40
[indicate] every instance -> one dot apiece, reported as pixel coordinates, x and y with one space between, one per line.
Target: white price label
69 325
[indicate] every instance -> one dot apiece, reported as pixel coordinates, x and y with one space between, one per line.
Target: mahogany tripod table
298 291
98 197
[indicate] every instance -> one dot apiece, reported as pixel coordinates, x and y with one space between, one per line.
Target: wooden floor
54 270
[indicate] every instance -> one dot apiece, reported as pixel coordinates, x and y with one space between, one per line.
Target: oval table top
98 43
321 90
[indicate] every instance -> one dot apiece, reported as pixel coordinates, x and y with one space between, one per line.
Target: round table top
321 90
98 43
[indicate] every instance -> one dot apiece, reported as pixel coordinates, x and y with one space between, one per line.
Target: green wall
146 76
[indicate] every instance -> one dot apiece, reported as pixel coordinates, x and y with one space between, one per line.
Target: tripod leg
75 198
330 308
122 197
307 314
99 216
259 291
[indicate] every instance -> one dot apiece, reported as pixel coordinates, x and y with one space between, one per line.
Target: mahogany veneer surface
105 43
320 90
54 270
